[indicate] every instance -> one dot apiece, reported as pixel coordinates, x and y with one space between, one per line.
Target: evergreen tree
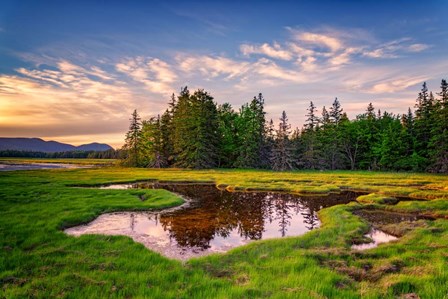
351 140
228 135
370 112
269 143
152 143
250 130
310 154
133 141
196 133
336 112
325 117
423 122
438 144
443 93
281 157
312 120
167 134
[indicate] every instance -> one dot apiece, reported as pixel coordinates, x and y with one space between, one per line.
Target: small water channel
214 220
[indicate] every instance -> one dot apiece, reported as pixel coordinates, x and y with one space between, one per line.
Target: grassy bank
38 260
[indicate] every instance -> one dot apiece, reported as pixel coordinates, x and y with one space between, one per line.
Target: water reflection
215 220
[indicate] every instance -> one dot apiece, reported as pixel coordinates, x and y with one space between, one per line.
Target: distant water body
34 166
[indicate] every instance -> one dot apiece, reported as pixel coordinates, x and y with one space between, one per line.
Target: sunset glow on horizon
74 72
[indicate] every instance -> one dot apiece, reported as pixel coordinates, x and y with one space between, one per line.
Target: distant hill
39 145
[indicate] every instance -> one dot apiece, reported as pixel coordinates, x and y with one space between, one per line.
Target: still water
213 220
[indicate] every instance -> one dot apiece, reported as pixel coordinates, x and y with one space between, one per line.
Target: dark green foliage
251 132
196 133
310 154
227 134
133 142
152 143
438 142
282 152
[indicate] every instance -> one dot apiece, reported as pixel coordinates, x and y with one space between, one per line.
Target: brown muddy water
213 220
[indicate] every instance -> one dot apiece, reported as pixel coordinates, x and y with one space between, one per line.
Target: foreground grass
38 260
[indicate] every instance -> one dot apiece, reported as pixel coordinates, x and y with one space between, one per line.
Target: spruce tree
152 143
251 129
309 157
423 122
227 135
196 133
312 120
438 143
335 112
133 141
281 157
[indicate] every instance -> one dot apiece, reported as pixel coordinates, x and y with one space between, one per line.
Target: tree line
196 132
109 154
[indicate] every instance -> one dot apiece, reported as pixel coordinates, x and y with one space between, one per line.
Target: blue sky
74 70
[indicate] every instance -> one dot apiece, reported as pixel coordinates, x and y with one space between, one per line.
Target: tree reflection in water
216 214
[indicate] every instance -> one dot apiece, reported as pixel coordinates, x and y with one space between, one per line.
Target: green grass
38 260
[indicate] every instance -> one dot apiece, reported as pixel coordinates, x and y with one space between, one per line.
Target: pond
214 220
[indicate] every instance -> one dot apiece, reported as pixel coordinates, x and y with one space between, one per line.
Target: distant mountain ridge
39 145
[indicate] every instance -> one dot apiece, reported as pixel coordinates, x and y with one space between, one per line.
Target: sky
74 71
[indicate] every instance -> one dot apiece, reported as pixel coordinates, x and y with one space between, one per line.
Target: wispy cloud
212 66
274 51
154 73
395 48
315 40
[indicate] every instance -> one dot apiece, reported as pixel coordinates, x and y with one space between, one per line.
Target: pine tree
312 121
281 157
424 121
251 129
133 141
351 134
370 112
152 143
227 135
438 143
325 117
336 112
196 133
269 142
443 93
309 157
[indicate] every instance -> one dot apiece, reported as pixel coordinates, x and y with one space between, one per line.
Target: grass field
38 260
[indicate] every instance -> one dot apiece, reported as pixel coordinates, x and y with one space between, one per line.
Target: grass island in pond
39 260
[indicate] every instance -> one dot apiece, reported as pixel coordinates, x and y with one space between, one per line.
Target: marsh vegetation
39 260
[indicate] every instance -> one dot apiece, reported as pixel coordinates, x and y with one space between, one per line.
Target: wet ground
214 220
378 219
377 236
